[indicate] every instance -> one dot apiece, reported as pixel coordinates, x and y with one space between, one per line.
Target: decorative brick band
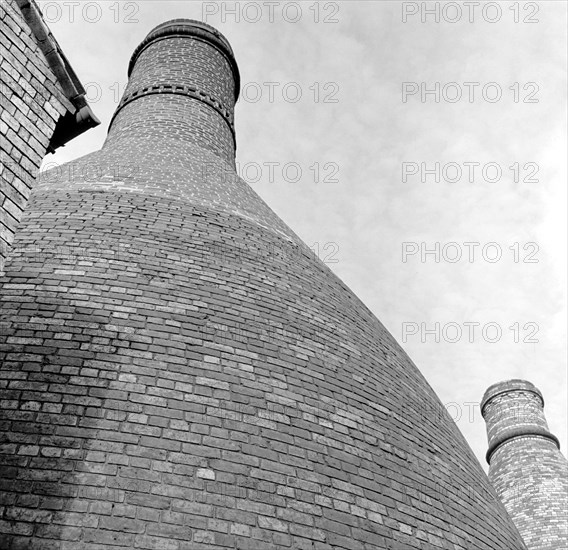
176 89
515 433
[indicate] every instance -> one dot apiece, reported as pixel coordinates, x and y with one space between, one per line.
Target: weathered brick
196 340
32 102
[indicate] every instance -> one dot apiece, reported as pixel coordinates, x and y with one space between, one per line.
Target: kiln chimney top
196 30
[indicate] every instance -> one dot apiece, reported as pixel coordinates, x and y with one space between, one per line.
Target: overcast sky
351 61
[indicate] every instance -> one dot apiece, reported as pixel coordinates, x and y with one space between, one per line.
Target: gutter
79 117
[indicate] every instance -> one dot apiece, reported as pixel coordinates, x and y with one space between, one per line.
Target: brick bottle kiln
180 371
526 467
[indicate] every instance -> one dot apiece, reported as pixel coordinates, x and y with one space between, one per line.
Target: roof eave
79 117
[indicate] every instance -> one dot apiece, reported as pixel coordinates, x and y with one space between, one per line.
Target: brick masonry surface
31 102
180 372
527 469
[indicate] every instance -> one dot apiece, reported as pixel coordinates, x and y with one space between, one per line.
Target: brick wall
184 374
32 103
527 469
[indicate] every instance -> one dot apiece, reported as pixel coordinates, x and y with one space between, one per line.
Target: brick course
179 371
